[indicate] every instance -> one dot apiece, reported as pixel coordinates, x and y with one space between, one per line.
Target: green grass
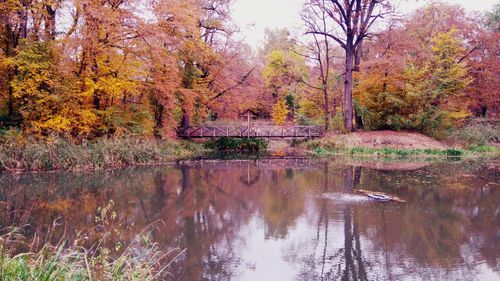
389 151
319 150
60 263
62 154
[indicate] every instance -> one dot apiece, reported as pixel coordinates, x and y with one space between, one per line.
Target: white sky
254 16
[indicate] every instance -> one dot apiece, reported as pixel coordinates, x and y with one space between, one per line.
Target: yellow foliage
457 115
117 76
280 112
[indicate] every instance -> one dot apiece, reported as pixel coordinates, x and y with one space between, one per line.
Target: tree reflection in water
229 218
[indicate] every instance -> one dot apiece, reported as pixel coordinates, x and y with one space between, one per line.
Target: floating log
380 196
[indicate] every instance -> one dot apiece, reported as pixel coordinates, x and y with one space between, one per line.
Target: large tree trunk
349 57
357 62
357 56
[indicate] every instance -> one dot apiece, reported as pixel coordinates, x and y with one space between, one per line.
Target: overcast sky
254 16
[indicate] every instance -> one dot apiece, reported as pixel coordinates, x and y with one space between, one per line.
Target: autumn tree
320 51
483 67
426 96
349 24
46 102
280 112
21 22
285 69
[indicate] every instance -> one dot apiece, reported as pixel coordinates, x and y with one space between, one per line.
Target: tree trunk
327 108
349 52
23 30
185 119
96 99
50 23
159 111
358 119
10 96
357 61
357 56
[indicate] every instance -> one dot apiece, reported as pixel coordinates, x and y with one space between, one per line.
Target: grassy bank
343 145
61 154
397 152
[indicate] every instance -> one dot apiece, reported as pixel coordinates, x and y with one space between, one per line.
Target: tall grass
476 133
62 154
139 260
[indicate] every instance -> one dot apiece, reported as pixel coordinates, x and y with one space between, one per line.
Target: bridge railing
263 131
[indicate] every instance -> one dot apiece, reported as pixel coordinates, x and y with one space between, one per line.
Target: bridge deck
252 131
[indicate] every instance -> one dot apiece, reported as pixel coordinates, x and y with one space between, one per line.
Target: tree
285 69
320 52
483 65
424 96
354 18
282 72
280 112
277 39
47 102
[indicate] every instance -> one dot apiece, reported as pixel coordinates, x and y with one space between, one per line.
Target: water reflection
251 220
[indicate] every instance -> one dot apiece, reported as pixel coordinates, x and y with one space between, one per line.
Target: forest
87 69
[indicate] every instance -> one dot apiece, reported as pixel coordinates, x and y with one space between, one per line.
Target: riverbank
392 144
57 154
60 154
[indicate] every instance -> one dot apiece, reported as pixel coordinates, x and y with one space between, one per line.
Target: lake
282 219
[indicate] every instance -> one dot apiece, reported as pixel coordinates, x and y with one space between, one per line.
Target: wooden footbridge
257 131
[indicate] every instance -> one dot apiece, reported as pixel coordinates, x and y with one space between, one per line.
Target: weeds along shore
95 254
18 155
60 154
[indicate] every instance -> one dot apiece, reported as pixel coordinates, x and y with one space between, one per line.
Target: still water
284 219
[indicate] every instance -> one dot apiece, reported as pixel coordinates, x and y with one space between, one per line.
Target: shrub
236 144
453 152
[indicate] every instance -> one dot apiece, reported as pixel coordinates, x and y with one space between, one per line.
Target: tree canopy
86 68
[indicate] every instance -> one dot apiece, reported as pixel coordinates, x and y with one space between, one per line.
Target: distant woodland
85 69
